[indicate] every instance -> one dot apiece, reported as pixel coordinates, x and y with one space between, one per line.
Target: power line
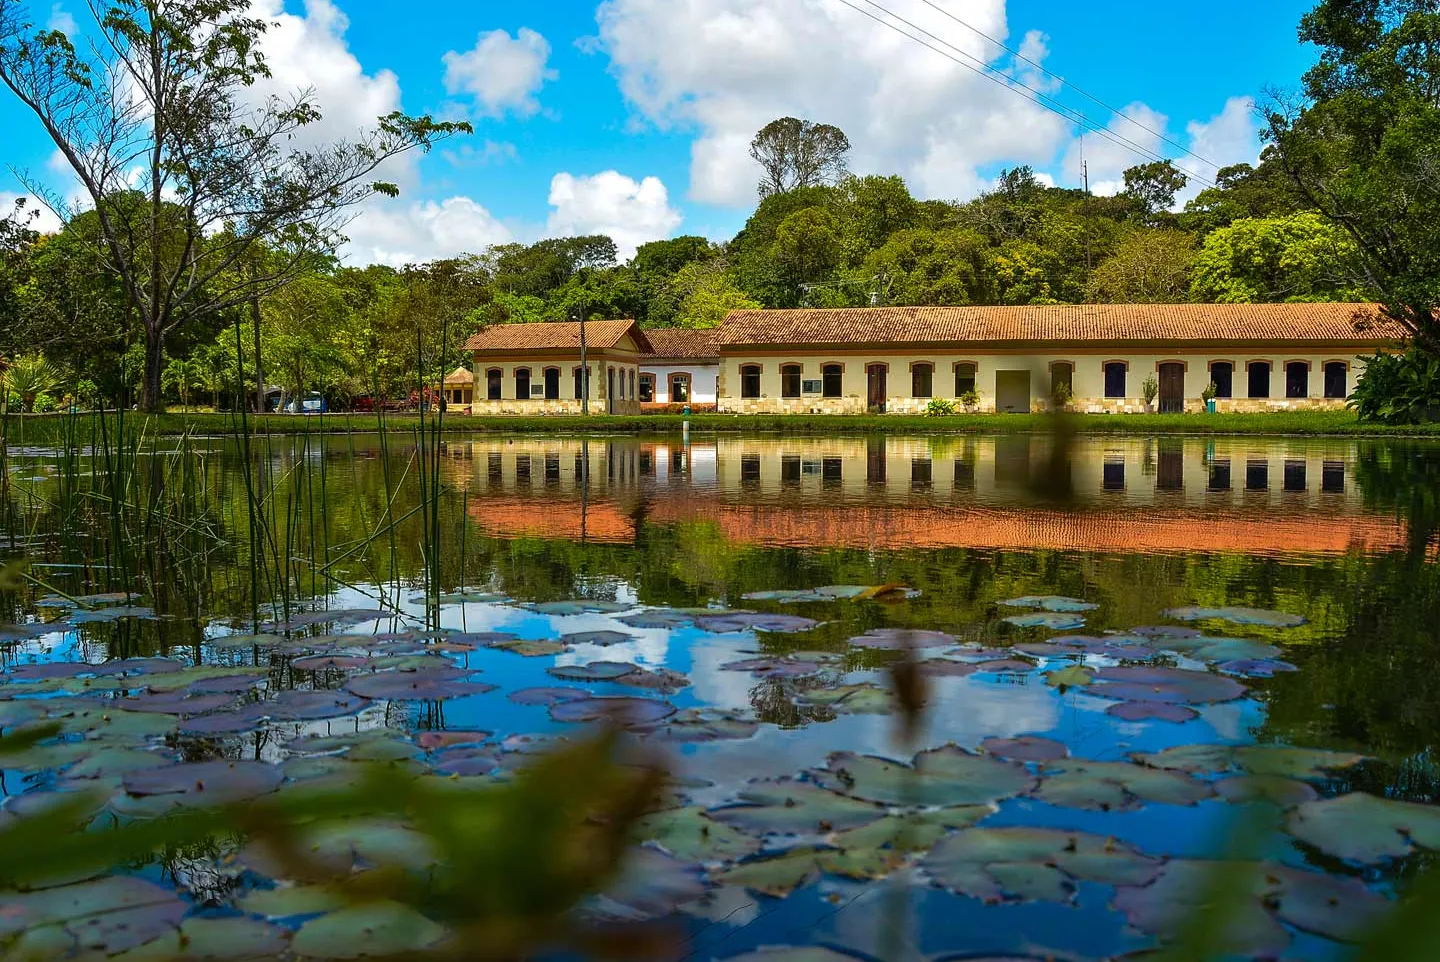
1015 86
1050 73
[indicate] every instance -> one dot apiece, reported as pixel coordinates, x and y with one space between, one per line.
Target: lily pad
204 783
536 649
427 685
107 916
1151 711
1055 603
691 834
1285 792
1055 621
1255 667
774 667
1005 666
290 901
1026 748
214 940
594 671
695 725
139 666
331 662
658 619
947 668
1074 676
780 875
941 776
177 703
788 807
297 705
622 710
861 699
735 621
546 696
995 864
602 638
899 639
654 679
466 761
49 669
1239 616
369 930
1116 786
1174 685
1362 828
913 831
1285 761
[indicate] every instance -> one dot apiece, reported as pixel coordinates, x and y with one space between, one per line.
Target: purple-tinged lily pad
1284 792
788 807
429 685
1054 621
546 696
205 783
215 684
299 705
177 702
1254 667
50 669
735 621
1026 748
250 718
1152 711
695 725
659 619
1239 616
336 662
900 639
105 916
1006 666
431 741
978 653
1165 631
343 616
594 671
481 639
602 638
139 666
1054 603
947 668
621 710
655 679
1175 685
466 761
774 667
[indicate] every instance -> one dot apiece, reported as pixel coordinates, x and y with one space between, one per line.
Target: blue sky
632 116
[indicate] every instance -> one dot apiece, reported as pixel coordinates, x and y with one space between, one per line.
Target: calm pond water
1126 643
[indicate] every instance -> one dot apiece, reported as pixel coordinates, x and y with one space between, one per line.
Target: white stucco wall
702 380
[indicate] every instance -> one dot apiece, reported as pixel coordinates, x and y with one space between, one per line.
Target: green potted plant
1060 397
1149 390
1208 396
970 400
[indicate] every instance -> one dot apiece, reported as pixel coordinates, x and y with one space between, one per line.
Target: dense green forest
1339 207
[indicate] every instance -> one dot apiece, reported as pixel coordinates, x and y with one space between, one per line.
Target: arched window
620 392
494 388
1337 377
1115 373
522 384
647 388
922 380
1259 372
552 383
790 380
750 381
1297 379
1222 375
1062 380
680 389
964 378
833 380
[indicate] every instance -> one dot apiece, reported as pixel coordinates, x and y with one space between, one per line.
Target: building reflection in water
1267 496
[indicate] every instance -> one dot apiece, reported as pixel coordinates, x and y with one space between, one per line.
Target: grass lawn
51 428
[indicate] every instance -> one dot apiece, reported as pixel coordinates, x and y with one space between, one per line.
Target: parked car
312 403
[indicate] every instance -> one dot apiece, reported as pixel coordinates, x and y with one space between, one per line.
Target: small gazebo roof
461 375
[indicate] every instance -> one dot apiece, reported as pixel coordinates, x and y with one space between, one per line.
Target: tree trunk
151 398
259 367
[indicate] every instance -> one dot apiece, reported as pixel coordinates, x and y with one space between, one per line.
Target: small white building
681 369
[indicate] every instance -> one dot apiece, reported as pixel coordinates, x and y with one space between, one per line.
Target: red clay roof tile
557 335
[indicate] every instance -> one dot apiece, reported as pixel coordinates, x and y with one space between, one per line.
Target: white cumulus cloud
631 212
503 73
398 233
60 19
32 213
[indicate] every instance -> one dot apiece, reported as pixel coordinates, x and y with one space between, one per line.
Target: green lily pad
1239 616
1055 603
996 864
788 807
912 832
1074 676
1209 649
228 642
941 776
1283 761
204 783
106 915
691 834
779 875
1026 748
594 671
604 638
1116 786
290 901
1055 621
1363 828
214 940
116 761
862 699
363 931
693 725
536 649
1285 792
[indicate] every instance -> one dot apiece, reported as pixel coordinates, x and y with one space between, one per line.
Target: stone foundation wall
775 405
561 406
1197 406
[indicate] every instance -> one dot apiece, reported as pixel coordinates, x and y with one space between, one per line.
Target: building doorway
1012 392
1172 388
875 387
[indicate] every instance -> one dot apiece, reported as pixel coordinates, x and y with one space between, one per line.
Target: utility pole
1085 169
584 370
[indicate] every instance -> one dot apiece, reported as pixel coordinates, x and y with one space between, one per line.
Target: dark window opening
1294 475
1257 475
1336 380
750 469
789 469
1219 475
581 383
922 474
552 384
831 470
750 381
1115 380
1297 380
964 379
1260 379
790 381
1332 477
922 380
494 389
832 377
1113 475
522 384
1222 375
647 388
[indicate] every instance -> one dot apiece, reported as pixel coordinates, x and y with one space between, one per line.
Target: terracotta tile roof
1168 323
682 342
558 335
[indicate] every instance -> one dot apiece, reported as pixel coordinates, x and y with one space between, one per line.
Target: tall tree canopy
797 153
